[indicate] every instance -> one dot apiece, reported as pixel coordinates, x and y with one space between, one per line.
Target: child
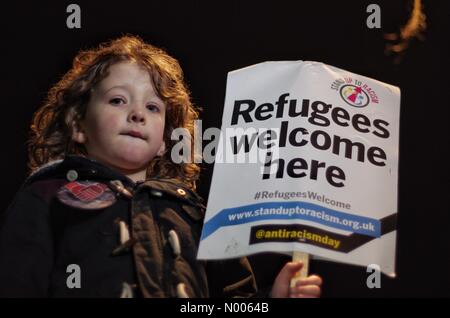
105 202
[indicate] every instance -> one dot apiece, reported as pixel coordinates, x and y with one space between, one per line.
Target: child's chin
134 162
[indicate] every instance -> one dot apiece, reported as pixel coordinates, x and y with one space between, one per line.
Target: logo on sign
354 95
354 92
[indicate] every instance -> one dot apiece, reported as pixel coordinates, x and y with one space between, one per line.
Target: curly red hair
52 124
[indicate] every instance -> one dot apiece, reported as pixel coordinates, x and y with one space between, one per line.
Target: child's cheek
155 127
161 125
110 124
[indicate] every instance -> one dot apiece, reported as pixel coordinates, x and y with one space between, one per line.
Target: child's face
124 122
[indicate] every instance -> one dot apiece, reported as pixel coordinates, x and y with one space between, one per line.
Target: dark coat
127 239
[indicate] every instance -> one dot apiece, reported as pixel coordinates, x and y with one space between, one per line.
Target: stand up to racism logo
354 92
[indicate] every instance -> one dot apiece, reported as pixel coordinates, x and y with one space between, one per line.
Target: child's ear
162 149
78 134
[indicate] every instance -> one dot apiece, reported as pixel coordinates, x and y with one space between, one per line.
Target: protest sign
308 161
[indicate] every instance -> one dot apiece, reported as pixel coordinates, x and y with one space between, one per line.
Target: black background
211 38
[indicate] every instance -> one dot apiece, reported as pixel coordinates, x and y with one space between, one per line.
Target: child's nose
136 117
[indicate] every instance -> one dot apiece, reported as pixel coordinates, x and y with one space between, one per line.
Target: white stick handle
303 273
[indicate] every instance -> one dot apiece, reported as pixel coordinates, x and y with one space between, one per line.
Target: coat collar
85 168
89 169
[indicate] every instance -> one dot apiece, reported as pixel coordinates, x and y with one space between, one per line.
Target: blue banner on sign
292 211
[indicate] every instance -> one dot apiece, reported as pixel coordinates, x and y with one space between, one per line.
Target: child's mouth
135 134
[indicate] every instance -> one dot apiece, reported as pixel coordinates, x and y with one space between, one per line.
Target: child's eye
117 101
153 108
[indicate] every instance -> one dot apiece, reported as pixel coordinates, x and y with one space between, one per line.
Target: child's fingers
294 266
281 285
305 291
289 270
310 280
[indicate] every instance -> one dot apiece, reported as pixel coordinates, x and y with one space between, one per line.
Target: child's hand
305 287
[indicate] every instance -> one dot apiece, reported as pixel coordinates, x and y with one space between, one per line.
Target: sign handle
303 273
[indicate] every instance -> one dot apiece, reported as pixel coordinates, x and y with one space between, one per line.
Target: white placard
307 160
